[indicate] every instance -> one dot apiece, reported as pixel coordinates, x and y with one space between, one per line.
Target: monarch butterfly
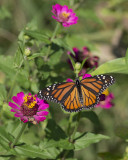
74 96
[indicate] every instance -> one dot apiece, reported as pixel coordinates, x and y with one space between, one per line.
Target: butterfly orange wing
92 87
56 92
71 102
64 93
67 93
89 98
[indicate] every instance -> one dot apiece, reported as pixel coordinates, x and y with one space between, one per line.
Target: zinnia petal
20 97
13 105
43 106
39 118
18 115
24 119
69 80
42 113
86 75
80 55
64 15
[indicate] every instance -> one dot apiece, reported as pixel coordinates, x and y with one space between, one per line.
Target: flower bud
27 51
26 37
77 66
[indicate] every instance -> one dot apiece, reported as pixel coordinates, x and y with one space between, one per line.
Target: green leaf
73 62
39 35
2 151
54 131
23 78
6 110
62 143
4 13
14 127
54 58
65 144
3 92
115 66
126 57
85 139
4 154
5 138
35 55
6 65
83 63
18 58
34 87
63 44
91 116
21 38
34 151
52 152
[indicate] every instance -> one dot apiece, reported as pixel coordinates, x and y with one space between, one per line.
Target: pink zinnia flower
107 102
86 76
80 55
64 15
29 108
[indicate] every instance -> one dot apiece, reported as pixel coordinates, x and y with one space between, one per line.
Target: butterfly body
79 91
74 96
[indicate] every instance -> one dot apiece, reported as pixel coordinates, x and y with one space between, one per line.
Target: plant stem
53 36
76 127
74 132
19 135
69 124
76 75
55 31
65 154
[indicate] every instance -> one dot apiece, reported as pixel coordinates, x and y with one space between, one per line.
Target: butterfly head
77 81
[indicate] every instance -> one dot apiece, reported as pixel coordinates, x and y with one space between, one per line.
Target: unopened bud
27 51
26 37
77 66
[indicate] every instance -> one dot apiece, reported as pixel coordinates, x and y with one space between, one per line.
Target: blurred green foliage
29 24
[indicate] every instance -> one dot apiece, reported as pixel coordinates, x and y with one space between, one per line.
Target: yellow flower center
106 92
65 15
30 101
